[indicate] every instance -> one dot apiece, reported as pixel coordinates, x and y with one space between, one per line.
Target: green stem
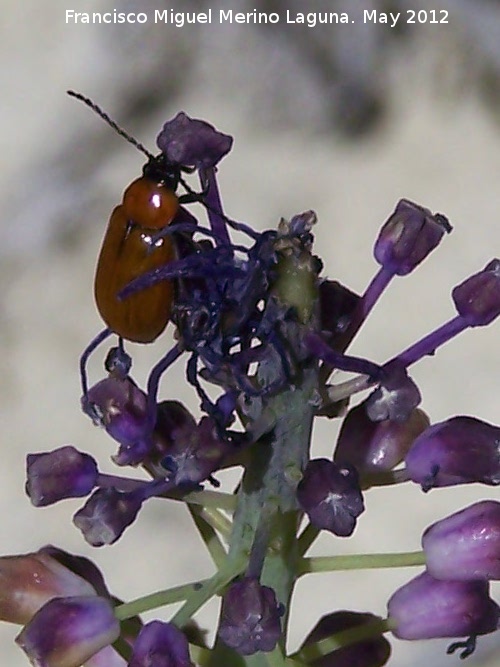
209 536
231 569
217 520
360 562
216 499
312 652
307 538
158 599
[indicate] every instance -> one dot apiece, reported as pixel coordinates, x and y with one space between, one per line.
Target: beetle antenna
111 122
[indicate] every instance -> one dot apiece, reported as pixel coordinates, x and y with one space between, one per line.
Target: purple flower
192 142
160 645
197 451
373 652
408 236
376 446
106 514
250 617
396 396
59 474
67 631
477 299
465 545
122 407
426 608
330 495
460 450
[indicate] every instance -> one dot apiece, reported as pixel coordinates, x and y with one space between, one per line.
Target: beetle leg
154 381
94 343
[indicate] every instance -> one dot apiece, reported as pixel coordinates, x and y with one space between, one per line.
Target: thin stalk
360 562
156 600
208 589
209 536
316 650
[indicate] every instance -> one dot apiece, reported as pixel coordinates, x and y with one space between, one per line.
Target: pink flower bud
27 582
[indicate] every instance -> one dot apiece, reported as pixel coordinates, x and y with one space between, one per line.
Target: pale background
282 94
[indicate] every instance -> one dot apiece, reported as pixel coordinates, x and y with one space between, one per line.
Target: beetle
134 244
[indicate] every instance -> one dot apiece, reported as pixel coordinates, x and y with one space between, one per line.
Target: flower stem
360 562
197 598
314 651
209 536
158 599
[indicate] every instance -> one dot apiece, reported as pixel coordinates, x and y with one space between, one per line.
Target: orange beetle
132 246
129 250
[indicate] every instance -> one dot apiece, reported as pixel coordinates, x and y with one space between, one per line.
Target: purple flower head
160 645
460 450
477 299
67 631
465 545
329 493
192 142
250 617
396 396
426 608
122 407
375 446
27 582
408 236
59 474
197 451
106 514
373 652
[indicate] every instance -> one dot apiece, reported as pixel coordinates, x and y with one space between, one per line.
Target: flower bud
477 299
408 236
250 617
396 396
79 565
426 608
373 652
27 582
192 142
460 450
331 497
62 473
196 452
160 644
376 446
122 407
106 514
67 631
465 545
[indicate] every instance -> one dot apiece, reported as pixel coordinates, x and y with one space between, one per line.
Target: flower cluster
258 322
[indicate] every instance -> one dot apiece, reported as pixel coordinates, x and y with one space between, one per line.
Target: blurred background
345 120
